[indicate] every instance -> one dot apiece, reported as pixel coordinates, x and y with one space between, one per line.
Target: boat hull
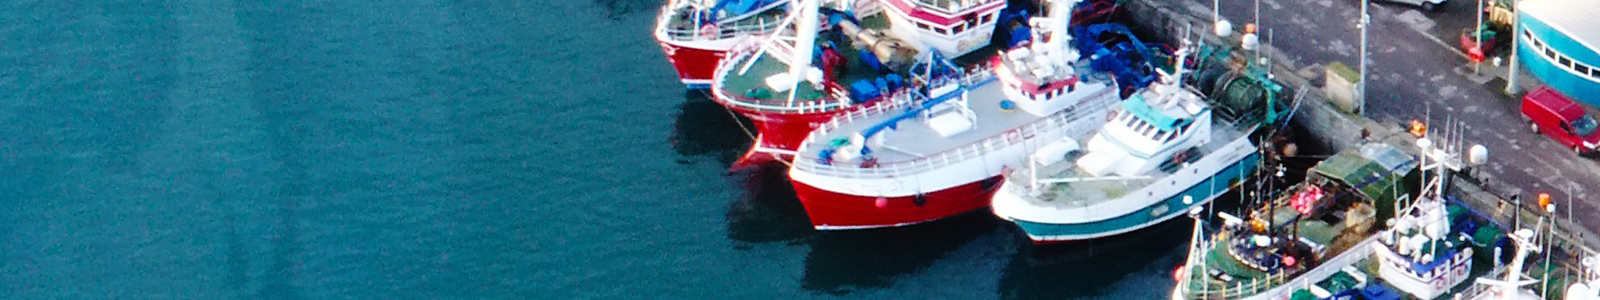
836 211
695 65
778 134
1203 189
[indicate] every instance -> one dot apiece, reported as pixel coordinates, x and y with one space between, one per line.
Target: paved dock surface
1417 73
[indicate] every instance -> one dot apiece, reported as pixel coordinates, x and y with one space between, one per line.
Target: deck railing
832 98
968 152
758 23
1255 286
949 7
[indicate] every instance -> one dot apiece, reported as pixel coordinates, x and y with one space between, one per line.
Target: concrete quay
1504 189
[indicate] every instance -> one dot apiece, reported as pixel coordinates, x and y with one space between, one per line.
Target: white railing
1278 283
679 29
959 154
949 7
833 97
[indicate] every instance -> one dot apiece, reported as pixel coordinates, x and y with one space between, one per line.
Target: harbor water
424 149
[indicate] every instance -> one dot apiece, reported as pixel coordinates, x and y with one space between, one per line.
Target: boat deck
913 139
750 86
1224 256
1091 190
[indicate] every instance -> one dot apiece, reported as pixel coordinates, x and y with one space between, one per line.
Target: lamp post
1516 34
1478 37
1361 96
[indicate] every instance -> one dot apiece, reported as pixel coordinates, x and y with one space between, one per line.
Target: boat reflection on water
842 262
1095 268
769 211
704 128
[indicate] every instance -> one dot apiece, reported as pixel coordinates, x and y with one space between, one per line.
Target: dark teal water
434 150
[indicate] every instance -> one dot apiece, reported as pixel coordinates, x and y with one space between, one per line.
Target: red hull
830 210
779 131
695 66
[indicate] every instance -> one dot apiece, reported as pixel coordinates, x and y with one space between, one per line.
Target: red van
1553 114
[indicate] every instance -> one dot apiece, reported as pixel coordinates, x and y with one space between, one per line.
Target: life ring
709 30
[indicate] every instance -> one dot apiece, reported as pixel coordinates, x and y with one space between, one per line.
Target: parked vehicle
1558 116
1427 5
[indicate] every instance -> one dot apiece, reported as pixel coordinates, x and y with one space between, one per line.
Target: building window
1565 62
1550 53
924 27
986 18
1582 69
1594 73
941 31
1537 44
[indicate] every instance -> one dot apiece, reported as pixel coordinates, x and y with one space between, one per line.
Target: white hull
985 159
1161 199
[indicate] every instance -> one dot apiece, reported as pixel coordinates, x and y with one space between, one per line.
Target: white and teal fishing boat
1163 151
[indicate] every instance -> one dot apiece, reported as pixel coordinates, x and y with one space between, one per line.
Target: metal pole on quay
1516 33
1478 36
1366 20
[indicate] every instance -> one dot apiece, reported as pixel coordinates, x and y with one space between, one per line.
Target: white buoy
1424 143
1224 28
1477 155
1250 41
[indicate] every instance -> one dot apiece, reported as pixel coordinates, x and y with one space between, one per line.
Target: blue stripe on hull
1203 192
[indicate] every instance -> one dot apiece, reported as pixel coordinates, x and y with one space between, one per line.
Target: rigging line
753 141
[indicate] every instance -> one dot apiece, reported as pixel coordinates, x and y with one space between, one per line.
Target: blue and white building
1560 44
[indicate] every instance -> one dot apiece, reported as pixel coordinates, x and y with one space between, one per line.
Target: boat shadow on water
769 211
842 262
704 128
1096 267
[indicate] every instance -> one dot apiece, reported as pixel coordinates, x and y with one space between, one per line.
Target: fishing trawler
697 34
1164 151
915 161
808 73
1353 214
1315 230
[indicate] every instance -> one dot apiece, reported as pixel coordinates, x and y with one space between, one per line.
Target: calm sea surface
435 150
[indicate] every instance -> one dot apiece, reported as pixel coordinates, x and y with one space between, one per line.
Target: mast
1052 45
805 39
